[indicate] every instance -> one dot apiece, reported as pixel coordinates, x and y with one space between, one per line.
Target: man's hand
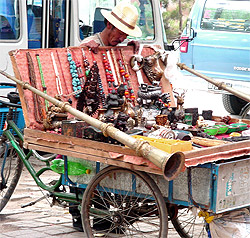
92 45
136 45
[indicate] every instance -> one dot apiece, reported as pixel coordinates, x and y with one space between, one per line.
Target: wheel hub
117 219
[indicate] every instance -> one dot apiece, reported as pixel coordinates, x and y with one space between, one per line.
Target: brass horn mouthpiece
170 164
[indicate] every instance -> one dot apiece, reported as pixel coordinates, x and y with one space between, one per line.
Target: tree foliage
174 20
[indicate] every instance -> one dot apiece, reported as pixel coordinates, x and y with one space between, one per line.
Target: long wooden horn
170 164
220 85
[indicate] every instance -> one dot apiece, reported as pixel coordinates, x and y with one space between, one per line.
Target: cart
125 194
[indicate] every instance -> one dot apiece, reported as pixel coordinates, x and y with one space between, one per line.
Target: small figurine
90 98
148 95
112 100
180 113
152 68
55 116
121 121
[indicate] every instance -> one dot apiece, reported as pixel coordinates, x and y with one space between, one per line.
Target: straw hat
124 17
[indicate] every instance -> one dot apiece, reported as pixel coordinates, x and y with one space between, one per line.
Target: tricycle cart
123 192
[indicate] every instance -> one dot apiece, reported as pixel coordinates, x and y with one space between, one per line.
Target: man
120 23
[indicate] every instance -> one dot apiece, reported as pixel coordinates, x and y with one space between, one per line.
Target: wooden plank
104 160
66 146
217 149
20 89
69 140
234 120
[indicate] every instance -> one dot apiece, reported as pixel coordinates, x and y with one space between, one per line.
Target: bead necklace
42 80
86 65
58 80
76 83
79 69
38 110
112 67
108 73
125 77
90 95
66 88
116 66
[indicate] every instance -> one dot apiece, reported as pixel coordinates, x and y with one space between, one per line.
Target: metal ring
134 66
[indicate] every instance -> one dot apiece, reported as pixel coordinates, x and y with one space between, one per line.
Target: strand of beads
58 80
112 67
108 73
76 83
86 65
38 108
129 92
79 69
127 77
116 65
63 77
42 80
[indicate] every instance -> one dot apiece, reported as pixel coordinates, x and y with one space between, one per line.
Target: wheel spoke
189 225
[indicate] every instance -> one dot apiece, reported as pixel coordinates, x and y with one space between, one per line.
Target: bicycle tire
189 225
124 209
11 172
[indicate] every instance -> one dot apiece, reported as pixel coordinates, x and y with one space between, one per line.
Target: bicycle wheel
124 202
11 169
188 224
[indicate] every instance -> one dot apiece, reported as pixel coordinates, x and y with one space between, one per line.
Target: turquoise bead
87 72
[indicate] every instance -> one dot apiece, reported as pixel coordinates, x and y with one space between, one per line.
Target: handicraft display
102 85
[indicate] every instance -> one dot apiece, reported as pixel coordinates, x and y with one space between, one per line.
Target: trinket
76 82
180 113
38 108
152 68
148 95
55 116
108 73
42 80
90 97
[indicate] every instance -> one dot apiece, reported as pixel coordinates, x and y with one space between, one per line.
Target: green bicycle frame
68 197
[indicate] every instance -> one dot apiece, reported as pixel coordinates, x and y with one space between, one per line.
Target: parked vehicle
221 46
62 23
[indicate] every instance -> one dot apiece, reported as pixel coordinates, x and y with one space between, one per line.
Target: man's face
116 36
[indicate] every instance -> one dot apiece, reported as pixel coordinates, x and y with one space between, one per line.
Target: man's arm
92 45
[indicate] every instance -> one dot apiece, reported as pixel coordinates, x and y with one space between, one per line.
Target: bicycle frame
67 197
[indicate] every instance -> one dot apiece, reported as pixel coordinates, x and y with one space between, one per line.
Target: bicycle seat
13 97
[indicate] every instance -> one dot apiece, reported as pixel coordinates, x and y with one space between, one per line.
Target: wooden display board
21 70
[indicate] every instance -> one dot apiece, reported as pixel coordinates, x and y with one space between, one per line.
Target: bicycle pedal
34 202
